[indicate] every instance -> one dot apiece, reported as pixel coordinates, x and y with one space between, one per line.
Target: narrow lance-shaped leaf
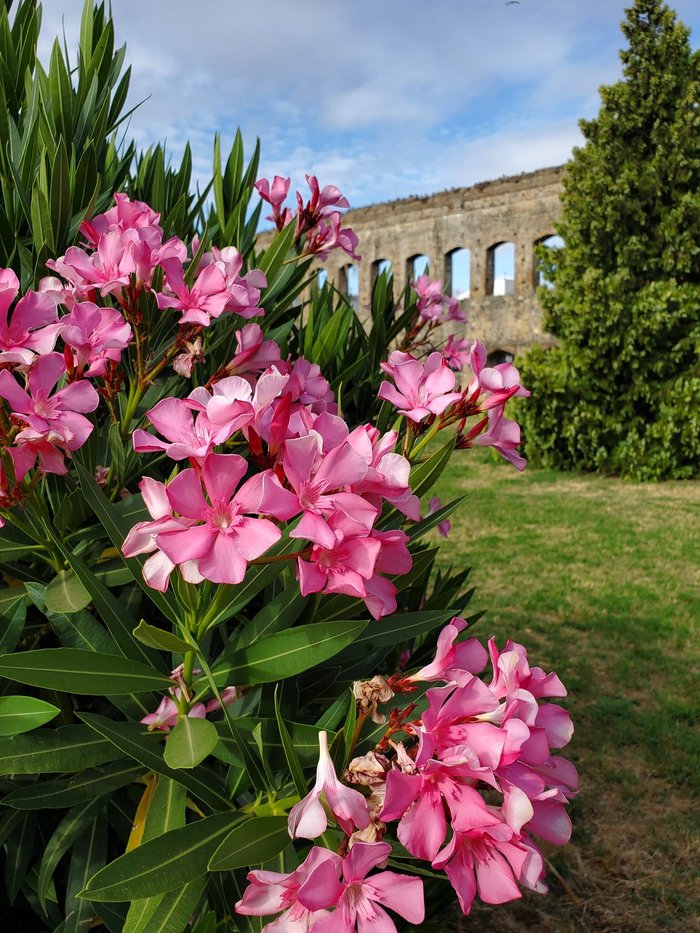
253 842
22 714
162 864
74 670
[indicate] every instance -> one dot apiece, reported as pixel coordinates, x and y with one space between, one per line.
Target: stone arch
500 268
499 356
457 279
417 265
379 266
349 280
552 240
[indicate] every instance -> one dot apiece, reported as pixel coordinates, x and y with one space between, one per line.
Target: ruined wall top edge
500 186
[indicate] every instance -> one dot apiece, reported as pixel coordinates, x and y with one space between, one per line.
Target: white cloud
372 96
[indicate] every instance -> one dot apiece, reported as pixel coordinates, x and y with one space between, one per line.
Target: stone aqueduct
521 209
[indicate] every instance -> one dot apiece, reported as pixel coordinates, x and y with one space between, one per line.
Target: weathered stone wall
521 209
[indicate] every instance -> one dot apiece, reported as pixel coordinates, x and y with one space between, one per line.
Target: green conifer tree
621 390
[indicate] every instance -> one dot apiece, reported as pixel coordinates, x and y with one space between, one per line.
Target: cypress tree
621 390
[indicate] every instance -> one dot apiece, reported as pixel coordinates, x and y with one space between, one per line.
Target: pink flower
125 215
322 199
362 901
228 537
462 716
32 328
108 269
167 714
253 354
270 892
499 382
142 537
206 299
456 352
329 234
346 566
188 435
308 386
308 820
445 525
490 858
228 696
420 390
243 290
275 194
453 662
388 473
511 672
317 480
97 335
504 436
433 306
55 423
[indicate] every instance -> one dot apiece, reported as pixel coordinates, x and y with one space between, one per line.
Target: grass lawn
600 579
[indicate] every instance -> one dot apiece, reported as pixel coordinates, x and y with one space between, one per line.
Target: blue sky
385 98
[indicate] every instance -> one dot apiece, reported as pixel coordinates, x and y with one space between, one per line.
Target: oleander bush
233 686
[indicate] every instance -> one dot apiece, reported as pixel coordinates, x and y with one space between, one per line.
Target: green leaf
190 742
434 519
22 714
166 812
74 670
89 855
162 864
144 747
114 614
287 653
117 530
158 638
65 593
290 752
425 475
14 544
251 843
280 613
68 830
396 629
19 849
174 909
69 792
69 748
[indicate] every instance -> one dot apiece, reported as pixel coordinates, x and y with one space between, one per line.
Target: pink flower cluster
433 306
474 738
424 392
314 219
168 712
124 248
211 521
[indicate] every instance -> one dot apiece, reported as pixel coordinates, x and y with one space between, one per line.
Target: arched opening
500 269
458 264
499 356
416 266
553 241
321 277
350 284
378 267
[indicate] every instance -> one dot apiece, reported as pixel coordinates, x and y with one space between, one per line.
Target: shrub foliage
621 390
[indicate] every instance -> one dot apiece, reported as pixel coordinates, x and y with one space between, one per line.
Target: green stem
427 438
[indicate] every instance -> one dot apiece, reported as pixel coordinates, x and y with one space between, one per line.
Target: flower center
44 407
223 517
